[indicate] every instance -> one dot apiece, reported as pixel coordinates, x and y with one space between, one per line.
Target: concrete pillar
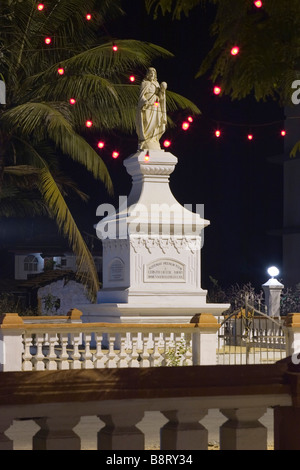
292 334
11 342
183 430
57 433
5 442
273 289
205 339
2 92
120 431
243 431
286 428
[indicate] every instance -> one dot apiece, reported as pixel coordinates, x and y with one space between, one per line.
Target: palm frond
86 271
176 102
41 121
58 209
20 202
104 61
176 7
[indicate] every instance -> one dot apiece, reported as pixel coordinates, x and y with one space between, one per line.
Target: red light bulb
218 133
115 48
40 6
61 71
48 40
156 104
147 157
101 144
283 133
167 143
132 78
235 50
258 3
190 119
185 126
88 17
250 137
217 90
115 154
88 123
72 101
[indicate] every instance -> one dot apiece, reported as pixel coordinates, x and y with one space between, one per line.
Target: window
63 262
30 264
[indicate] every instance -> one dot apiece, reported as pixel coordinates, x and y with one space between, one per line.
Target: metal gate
249 336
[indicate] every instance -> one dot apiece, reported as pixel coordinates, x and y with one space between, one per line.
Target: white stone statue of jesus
151 115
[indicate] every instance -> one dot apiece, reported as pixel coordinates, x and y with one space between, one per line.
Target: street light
273 271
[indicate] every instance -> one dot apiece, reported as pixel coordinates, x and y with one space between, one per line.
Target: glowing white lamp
273 271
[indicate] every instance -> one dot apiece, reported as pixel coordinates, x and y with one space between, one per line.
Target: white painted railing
105 346
70 344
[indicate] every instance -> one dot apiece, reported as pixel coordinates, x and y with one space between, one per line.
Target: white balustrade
75 348
73 345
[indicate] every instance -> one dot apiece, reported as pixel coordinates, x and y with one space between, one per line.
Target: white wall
71 294
20 273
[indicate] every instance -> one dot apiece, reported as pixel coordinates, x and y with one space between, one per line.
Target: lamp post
272 289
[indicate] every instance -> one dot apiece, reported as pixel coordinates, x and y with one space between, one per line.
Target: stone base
146 313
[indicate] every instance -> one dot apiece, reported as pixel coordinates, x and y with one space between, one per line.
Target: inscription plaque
164 270
116 270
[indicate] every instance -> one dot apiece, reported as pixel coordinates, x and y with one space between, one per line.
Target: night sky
240 189
234 179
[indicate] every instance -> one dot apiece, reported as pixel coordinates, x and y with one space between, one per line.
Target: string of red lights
186 124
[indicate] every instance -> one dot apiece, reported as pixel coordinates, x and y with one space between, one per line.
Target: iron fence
249 336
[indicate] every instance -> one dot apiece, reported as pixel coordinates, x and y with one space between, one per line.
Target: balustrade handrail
104 327
114 384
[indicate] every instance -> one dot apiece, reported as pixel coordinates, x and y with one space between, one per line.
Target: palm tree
267 34
38 125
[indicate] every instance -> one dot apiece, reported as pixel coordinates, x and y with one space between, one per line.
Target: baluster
123 351
63 364
243 431
169 353
157 357
145 356
56 433
38 360
183 430
188 359
76 356
52 357
134 353
5 442
87 354
117 349
27 356
184 347
181 349
120 431
100 356
128 348
111 363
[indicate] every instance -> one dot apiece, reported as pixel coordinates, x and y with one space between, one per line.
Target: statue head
151 74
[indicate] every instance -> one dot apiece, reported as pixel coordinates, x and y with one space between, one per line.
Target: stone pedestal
56 433
5 442
243 431
120 431
151 251
183 430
